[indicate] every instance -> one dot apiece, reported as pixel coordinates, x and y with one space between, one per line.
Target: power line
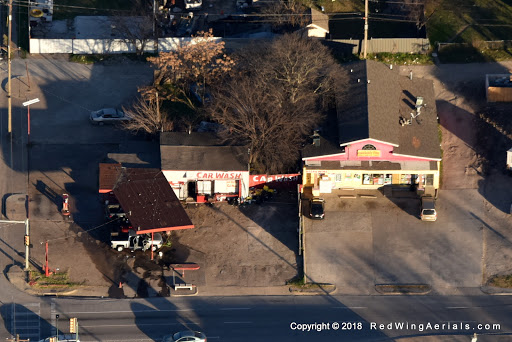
23 3
85 230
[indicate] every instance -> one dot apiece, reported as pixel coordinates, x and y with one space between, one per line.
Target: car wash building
200 167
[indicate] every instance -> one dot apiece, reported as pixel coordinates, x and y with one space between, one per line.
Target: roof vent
391 66
316 139
419 105
403 121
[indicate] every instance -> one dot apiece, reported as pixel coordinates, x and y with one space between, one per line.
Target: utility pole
9 105
28 76
154 27
365 28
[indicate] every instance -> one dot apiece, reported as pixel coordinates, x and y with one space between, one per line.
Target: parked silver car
182 336
108 116
428 209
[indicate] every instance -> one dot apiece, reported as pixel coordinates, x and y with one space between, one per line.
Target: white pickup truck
135 242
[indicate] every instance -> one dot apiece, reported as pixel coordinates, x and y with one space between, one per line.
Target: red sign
288 179
219 175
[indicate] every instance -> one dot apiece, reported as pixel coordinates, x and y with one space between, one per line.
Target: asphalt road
273 318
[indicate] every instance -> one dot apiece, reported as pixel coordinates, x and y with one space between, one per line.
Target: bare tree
135 27
287 12
147 117
274 99
415 10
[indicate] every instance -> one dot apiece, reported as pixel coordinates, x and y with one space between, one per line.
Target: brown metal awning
147 198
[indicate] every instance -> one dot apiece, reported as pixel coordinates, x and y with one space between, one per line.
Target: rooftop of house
499 80
200 151
374 104
320 19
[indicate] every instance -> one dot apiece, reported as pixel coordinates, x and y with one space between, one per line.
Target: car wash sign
277 181
218 175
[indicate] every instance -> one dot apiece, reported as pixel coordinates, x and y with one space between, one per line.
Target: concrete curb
495 291
320 290
382 289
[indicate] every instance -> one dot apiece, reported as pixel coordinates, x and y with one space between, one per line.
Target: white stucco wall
185 176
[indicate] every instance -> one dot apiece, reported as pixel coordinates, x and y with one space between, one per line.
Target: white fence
109 46
102 46
377 45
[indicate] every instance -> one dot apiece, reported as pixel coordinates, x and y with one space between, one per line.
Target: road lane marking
128 311
225 309
237 322
124 340
458 307
131 325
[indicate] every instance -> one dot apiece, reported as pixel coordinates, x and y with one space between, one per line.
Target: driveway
363 242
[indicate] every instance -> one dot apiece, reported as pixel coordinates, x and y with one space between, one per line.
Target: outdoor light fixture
28 103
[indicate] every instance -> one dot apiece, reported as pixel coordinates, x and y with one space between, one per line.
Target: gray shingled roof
369 105
372 106
325 148
192 139
421 137
200 151
320 19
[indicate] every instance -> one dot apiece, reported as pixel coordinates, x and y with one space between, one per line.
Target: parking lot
363 242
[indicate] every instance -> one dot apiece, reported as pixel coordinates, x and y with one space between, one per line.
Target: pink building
384 133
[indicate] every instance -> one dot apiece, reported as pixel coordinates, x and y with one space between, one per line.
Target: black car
316 209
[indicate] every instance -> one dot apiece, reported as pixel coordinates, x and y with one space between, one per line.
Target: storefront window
375 179
367 179
430 180
405 179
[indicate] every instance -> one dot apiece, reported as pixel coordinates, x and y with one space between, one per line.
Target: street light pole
27 104
27 225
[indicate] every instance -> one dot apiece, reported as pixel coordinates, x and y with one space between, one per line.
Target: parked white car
108 116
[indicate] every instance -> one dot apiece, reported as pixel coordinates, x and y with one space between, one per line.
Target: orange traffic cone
120 285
